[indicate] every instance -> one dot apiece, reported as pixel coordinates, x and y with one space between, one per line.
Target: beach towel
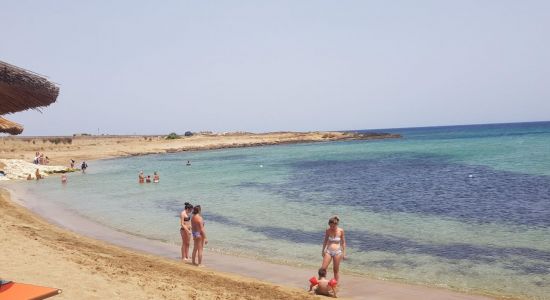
10 290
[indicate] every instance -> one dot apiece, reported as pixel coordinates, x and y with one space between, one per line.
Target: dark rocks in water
68 170
371 135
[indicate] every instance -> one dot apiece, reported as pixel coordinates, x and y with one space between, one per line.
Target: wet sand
114 264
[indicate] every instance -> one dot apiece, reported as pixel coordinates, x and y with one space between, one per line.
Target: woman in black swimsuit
185 230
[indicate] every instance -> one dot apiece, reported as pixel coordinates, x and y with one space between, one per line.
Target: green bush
172 136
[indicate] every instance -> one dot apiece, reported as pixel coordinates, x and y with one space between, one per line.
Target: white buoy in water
470 176
261 166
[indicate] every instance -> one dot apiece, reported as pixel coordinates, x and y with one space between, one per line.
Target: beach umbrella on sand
20 90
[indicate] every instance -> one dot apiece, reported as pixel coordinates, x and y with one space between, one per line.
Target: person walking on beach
84 166
334 247
185 230
199 235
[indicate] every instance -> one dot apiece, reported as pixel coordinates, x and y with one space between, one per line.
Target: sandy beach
84 266
36 251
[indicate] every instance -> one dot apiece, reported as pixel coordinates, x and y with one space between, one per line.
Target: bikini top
334 239
187 219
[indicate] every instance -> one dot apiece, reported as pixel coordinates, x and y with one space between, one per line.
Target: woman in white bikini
185 230
334 246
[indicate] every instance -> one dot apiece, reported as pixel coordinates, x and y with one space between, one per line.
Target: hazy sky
151 67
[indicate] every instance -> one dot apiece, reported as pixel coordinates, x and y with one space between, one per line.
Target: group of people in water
147 179
192 227
333 251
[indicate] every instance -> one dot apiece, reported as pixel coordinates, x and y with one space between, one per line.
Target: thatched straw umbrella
21 90
10 127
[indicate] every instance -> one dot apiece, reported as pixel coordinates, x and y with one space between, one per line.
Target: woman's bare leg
186 246
326 261
182 233
201 247
196 246
336 266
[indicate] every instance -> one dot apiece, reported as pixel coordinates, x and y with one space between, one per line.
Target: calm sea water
466 207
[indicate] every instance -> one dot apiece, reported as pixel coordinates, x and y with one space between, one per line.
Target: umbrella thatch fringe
10 127
21 89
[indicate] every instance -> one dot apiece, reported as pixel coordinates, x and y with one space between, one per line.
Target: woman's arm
182 223
343 244
324 243
203 231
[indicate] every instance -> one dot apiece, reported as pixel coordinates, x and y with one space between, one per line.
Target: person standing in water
199 235
185 230
84 166
141 177
334 247
156 177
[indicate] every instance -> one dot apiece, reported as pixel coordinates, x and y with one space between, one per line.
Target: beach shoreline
60 150
104 148
71 229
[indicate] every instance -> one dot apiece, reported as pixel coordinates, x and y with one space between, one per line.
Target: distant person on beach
334 246
141 177
84 166
199 235
29 177
156 177
321 285
72 163
148 179
63 178
188 163
37 174
185 230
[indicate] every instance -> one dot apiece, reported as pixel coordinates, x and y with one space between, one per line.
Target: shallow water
466 207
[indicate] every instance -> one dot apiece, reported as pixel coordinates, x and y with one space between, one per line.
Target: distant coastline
60 149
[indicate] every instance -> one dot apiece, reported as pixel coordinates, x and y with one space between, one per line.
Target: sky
148 67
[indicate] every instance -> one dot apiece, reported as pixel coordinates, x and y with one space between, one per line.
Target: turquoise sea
464 207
